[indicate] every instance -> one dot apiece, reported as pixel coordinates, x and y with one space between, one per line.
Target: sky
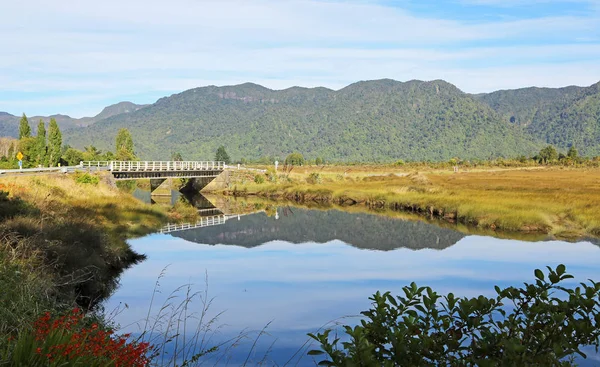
75 57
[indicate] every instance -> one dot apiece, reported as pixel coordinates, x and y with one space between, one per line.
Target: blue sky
75 57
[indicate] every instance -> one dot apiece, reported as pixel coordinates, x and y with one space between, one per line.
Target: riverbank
63 243
558 201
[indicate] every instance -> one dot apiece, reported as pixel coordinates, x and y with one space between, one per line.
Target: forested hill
560 117
9 124
379 120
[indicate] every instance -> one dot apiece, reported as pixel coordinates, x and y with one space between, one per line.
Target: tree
548 154
54 143
108 156
294 159
72 157
10 155
40 149
222 156
573 153
548 325
24 128
28 146
6 143
91 153
176 157
319 161
124 146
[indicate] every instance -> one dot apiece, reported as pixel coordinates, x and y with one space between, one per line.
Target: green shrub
294 159
399 162
259 178
314 178
86 178
540 324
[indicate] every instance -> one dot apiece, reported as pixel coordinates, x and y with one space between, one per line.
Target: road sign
20 156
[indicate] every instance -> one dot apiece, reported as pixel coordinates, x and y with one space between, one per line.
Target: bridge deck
128 170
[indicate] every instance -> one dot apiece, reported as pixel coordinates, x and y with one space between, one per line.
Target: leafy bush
399 162
540 324
294 159
314 178
259 179
86 178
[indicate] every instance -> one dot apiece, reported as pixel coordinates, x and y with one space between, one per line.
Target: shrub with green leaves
539 324
86 178
259 179
314 178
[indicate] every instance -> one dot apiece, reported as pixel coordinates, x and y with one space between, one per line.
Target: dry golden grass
559 201
60 198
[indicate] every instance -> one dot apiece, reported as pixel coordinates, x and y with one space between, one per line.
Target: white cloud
116 48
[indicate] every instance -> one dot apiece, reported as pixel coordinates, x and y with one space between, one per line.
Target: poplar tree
24 128
41 144
54 143
124 145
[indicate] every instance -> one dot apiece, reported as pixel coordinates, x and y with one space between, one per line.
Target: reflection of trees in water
298 225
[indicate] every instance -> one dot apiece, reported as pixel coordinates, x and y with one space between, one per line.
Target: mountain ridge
9 124
385 118
369 120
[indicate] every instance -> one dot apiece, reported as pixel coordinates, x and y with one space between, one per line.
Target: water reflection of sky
300 287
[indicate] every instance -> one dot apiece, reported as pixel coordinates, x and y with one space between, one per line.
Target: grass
63 243
558 201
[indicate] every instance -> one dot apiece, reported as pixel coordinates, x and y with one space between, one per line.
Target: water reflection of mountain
296 225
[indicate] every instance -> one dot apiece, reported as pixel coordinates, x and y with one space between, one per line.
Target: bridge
159 171
202 172
134 170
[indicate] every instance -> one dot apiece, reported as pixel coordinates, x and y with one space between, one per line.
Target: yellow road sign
20 156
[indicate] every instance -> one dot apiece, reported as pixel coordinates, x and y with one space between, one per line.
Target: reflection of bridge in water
205 221
213 220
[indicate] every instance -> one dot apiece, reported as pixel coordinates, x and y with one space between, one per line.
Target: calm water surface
297 270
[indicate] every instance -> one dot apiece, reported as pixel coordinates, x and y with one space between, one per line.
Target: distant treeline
46 149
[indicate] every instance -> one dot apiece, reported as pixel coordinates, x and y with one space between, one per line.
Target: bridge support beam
155 183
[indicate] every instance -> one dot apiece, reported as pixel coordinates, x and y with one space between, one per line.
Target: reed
558 201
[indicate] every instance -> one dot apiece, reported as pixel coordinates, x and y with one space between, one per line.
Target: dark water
297 270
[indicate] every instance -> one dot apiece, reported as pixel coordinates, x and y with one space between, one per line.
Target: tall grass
185 330
63 243
560 201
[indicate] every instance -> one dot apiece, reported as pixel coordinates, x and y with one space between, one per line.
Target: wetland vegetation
557 200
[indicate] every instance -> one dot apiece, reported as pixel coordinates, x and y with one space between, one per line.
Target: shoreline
555 202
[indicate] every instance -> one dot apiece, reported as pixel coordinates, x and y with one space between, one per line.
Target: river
290 271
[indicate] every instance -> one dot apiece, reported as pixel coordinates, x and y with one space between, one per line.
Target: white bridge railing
204 222
159 166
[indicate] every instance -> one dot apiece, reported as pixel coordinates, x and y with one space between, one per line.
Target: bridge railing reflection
208 221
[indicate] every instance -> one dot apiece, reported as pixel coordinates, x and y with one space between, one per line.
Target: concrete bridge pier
155 183
199 184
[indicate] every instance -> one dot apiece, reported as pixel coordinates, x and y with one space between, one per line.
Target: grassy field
559 201
63 243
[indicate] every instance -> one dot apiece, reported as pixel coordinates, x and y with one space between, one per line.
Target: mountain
9 124
561 117
380 120
117 109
